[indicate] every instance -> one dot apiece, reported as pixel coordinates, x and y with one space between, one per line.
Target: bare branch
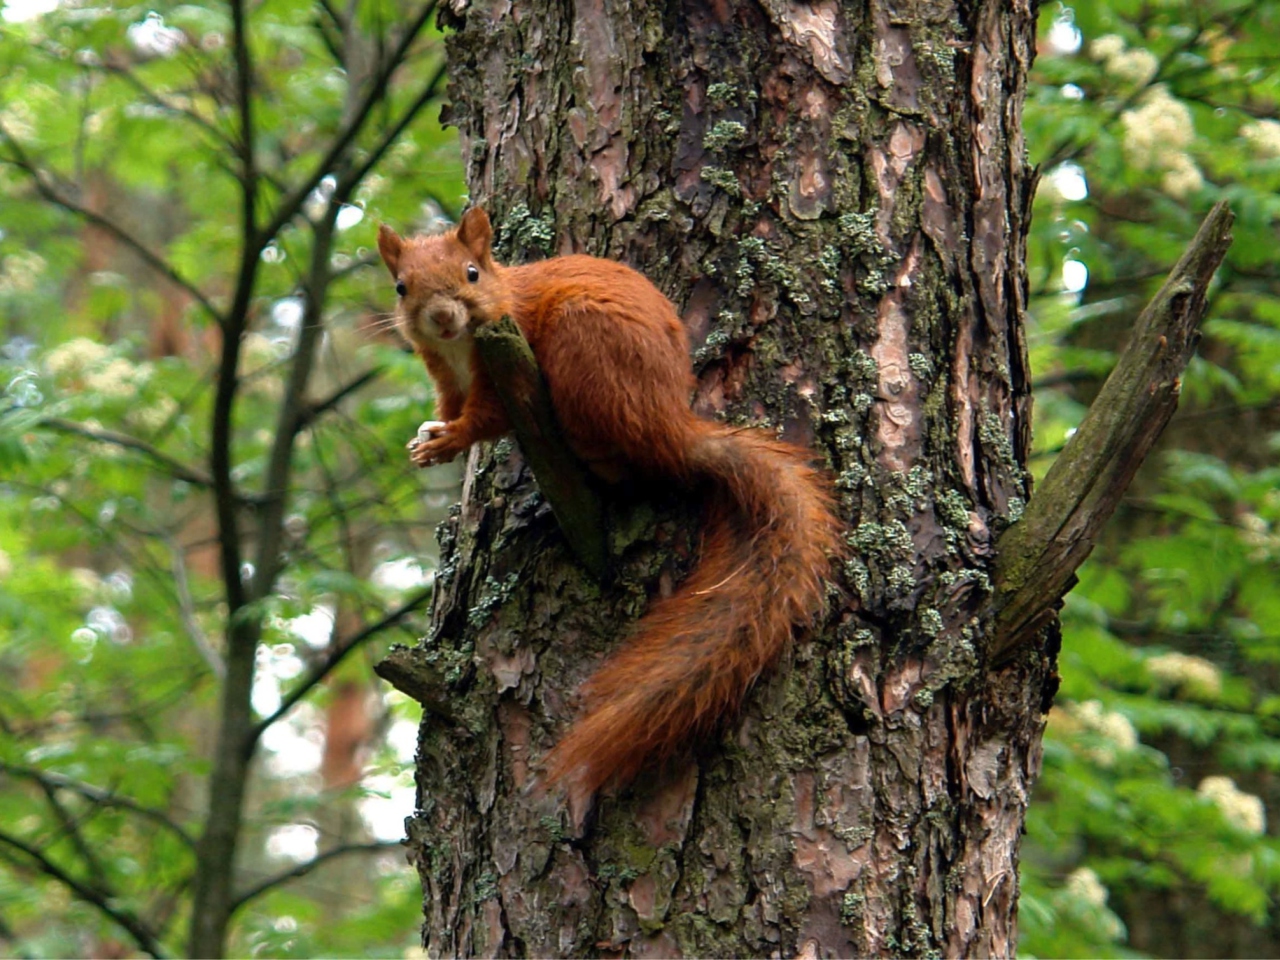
429 93
346 539
211 890
336 655
561 476
71 829
292 405
357 263
1037 557
346 136
317 410
98 795
302 869
186 609
336 18
19 158
102 900
174 468
330 36
157 99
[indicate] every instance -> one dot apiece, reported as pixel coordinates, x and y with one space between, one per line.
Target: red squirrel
616 360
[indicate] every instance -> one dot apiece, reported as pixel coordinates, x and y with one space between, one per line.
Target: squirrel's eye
401 289
473 275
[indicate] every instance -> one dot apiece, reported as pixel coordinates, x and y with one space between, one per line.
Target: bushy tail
768 540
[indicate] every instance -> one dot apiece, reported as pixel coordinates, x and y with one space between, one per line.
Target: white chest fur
457 354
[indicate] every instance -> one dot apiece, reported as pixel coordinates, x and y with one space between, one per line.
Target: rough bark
836 199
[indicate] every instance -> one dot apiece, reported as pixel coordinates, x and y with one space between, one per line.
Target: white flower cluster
1106 47
118 378
1241 809
6 566
153 416
1193 675
1156 135
20 271
1257 534
19 118
74 357
1181 176
1083 884
1136 66
1085 888
87 582
1110 726
1263 136
97 371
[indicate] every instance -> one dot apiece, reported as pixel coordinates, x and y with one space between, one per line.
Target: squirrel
615 356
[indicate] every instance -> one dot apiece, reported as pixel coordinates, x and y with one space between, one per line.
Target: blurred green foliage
1152 830
112 613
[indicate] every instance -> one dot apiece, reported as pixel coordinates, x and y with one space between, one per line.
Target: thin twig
357 263
346 538
71 829
335 656
290 206
131 78
187 611
280 465
302 869
19 158
316 410
331 39
102 900
174 468
98 795
429 93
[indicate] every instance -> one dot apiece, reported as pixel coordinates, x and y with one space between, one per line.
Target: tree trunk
836 199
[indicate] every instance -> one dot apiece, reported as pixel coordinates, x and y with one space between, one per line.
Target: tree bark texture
836 198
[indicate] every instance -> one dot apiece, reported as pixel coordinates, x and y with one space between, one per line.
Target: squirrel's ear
390 245
475 234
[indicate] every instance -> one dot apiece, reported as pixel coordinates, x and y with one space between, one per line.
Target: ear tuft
390 246
475 233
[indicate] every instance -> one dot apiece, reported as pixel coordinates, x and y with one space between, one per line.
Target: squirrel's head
448 284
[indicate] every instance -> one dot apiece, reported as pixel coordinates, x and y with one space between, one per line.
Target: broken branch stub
1037 557
561 476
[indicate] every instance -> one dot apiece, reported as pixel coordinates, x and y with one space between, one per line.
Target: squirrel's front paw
429 430
434 444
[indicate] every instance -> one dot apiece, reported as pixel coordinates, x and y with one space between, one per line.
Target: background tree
205 504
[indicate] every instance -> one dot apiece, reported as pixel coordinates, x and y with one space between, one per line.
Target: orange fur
616 360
